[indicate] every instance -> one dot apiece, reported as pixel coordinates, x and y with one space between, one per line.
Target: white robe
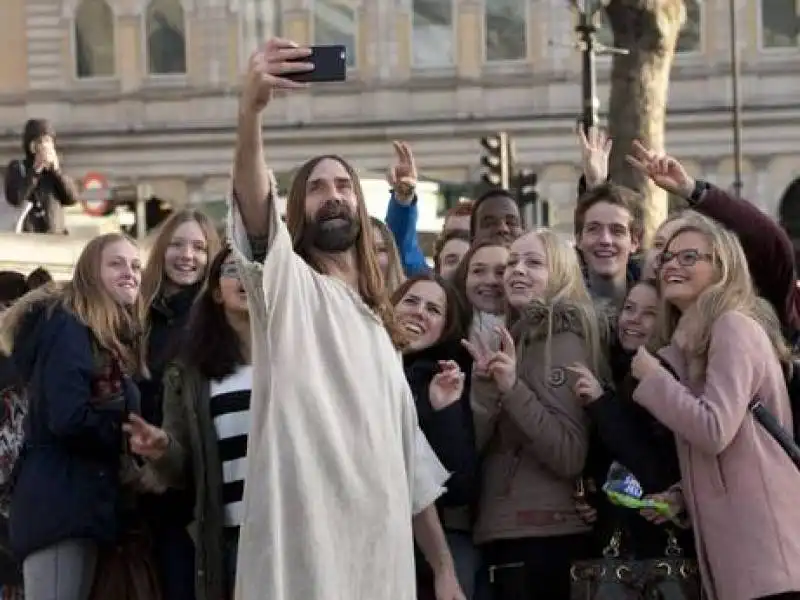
337 464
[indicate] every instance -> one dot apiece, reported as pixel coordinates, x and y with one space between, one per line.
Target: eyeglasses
686 258
229 270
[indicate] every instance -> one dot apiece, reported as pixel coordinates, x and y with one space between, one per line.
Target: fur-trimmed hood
20 319
534 320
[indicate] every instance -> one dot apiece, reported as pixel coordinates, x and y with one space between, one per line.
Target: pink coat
741 489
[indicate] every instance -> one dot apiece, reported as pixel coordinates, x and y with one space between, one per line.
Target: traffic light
535 211
497 160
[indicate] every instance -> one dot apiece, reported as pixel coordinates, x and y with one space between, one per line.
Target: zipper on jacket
493 568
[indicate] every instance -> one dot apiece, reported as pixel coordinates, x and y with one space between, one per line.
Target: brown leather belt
543 518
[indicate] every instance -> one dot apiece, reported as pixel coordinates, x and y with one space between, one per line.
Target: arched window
336 23
505 26
94 40
165 31
690 38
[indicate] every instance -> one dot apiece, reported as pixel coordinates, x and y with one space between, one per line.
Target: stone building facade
145 91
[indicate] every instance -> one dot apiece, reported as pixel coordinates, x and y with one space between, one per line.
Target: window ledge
171 80
433 72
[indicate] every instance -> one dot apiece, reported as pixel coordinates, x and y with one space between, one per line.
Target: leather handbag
126 570
671 577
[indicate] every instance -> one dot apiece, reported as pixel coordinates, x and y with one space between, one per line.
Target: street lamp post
587 34
736 109
588 13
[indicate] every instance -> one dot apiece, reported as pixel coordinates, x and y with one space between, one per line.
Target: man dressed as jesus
337 466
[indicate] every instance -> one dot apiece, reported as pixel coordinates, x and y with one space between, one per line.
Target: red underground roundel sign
95 195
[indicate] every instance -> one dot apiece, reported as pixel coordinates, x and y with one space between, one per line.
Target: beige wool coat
742 491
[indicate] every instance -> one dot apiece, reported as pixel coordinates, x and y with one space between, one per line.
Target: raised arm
764 243
253 187
254 220
770 254
402 215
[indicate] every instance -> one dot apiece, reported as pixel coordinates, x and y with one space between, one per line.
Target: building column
207 45
368 40
403 19
130 49
14 66
297 25
469 38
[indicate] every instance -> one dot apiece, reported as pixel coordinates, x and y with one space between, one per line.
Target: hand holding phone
271 68
329 62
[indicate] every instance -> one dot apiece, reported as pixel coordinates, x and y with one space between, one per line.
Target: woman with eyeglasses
724 348
206 422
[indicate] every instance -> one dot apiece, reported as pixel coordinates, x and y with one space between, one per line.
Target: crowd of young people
299 411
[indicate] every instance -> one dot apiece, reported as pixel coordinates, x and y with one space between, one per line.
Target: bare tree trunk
649 30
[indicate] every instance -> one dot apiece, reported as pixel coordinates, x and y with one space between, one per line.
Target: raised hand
145 439
41 159
268 69
481 354
446 386
665 171
51 156
643 364
595 152
587 389
503 365
403 173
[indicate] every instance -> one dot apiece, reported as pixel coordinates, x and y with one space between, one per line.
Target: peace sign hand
481 354
587 389
267 71
665 171
503 365
403 174
146 440
595 152
446 386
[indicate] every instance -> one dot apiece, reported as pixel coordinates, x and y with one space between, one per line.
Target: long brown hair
154 276
370 280
209 321
116 328
395 274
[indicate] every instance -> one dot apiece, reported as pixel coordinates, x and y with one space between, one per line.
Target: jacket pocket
509 580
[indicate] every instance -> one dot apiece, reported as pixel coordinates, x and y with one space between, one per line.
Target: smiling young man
608 230
495 218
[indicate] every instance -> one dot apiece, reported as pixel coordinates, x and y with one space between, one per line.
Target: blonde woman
177 268
725 347
529 426
388 255
76 346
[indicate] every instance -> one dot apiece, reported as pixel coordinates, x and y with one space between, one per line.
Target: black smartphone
330 64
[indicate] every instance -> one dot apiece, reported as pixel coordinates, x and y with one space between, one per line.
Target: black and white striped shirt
230 412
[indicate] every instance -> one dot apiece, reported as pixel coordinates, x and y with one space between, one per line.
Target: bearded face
333 229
